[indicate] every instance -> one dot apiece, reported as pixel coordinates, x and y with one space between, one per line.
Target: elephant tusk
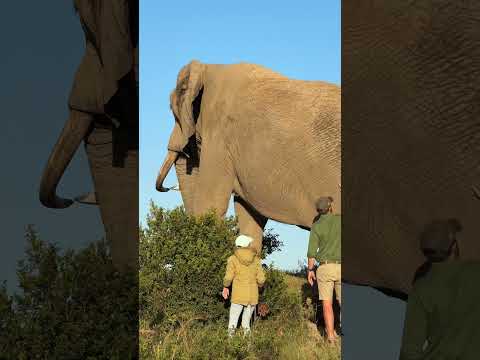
73 133
167 164
476 192
114 121
87 199
175 188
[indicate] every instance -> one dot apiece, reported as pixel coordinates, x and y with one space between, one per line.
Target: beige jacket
245 271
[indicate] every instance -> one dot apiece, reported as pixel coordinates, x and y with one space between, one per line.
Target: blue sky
301 42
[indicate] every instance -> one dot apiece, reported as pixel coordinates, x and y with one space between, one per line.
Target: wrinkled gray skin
245 130
411 132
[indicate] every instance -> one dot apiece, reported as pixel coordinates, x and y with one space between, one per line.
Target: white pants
235 311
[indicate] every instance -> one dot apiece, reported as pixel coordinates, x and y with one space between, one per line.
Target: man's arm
313 243
415 330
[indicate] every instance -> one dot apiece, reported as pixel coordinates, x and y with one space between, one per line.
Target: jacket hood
245 255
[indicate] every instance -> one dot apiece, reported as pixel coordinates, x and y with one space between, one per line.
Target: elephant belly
291 201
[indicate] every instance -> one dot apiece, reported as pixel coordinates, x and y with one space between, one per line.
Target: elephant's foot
87 199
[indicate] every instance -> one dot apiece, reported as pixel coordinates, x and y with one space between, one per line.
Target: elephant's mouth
166 166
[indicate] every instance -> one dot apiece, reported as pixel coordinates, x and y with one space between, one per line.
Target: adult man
325 247
441 321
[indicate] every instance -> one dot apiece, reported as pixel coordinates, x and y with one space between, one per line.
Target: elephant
103 113
411 134
271 141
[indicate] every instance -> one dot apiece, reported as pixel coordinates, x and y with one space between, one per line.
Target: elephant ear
189 85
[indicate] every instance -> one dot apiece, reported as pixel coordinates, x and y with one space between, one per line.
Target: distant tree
270 243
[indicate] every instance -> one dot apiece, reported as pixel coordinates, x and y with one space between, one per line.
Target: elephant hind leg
250 222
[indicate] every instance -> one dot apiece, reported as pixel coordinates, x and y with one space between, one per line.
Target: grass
295 283
285 336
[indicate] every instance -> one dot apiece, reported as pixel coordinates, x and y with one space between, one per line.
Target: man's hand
225 293
311 277
311 274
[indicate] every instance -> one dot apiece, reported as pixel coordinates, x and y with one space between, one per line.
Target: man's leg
325 293
235 311
328 317
338 291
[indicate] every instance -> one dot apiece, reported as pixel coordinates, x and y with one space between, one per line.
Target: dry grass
271 339
294 283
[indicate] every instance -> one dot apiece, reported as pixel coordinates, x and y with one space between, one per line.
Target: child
246 272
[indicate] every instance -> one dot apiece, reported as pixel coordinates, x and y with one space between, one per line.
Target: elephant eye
183 86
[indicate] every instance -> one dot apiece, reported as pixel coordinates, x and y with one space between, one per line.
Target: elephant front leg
215 182
250 222
116 189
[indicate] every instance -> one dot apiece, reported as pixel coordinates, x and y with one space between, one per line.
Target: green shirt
444 310
325 238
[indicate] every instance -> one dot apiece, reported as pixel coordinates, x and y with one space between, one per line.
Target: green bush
71 306
181 258
182 264
274 292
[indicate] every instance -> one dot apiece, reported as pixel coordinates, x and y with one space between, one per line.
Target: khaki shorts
329 277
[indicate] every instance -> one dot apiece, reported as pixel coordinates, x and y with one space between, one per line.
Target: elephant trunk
74 131
167 165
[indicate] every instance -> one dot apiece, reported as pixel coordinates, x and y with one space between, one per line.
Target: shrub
276 296
182 264
72 305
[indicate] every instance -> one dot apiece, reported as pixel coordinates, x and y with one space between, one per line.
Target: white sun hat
243 241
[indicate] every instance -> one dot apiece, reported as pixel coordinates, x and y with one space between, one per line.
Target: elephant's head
184 143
